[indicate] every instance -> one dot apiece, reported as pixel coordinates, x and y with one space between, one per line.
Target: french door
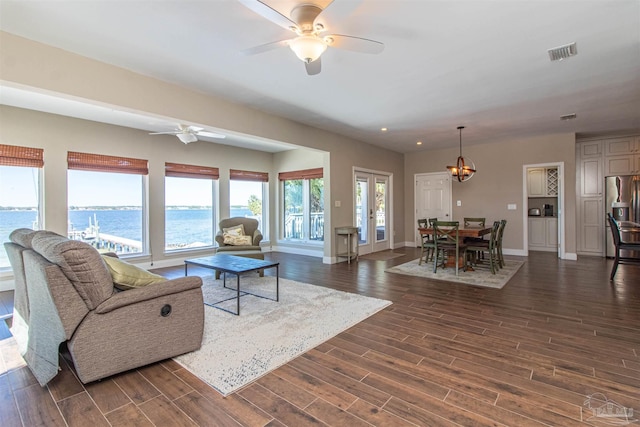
372 211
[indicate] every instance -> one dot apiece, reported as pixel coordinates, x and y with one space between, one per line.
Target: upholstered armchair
238 234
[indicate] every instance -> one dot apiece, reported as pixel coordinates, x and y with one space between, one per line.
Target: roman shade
13 155
301 174
102 163
179 170
239 175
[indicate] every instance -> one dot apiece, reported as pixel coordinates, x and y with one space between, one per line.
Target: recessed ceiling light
419 143
383 129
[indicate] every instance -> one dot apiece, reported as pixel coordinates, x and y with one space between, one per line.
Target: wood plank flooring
441 354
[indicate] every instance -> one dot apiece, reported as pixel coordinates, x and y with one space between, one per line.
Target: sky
18 187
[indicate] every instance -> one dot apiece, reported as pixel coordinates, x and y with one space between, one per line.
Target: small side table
352 248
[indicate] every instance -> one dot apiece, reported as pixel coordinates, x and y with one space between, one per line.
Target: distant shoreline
110 208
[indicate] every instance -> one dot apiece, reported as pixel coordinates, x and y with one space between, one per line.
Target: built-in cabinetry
622 156
543 234
542 182
542 192
595 160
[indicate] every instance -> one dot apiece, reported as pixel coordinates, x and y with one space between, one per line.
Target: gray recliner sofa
64 293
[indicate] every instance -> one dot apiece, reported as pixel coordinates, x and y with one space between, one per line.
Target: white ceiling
478 63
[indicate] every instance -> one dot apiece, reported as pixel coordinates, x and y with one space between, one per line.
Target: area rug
237 350
381 256
480 277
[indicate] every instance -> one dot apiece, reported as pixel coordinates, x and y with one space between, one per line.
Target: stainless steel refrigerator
622 199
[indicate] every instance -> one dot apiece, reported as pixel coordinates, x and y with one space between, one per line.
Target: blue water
183 226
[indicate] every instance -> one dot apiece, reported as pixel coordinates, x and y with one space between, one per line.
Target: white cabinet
536 182
622 165
622 156
590 159
542 182
543 234
591 226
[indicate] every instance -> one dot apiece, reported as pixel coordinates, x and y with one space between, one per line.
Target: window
106 205
19 192
247 191
303 205
189 195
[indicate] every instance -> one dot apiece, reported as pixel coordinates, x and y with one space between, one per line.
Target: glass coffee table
235 265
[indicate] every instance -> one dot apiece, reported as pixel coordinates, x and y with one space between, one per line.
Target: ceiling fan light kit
307 21
187 137
464 169
308 48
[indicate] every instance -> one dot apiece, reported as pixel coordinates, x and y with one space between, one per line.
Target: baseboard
570 256
300 251
7 285
516 252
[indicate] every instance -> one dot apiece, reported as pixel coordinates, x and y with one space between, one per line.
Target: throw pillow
128 276
230 239
238 230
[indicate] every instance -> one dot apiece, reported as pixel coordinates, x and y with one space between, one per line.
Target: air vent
568 116
561 52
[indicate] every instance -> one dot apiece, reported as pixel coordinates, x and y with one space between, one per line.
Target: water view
184 226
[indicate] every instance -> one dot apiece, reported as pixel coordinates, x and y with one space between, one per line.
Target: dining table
463 231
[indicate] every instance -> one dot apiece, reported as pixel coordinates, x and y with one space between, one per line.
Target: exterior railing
294 227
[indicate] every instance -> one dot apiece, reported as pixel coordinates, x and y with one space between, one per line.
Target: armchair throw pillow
237 230
230 239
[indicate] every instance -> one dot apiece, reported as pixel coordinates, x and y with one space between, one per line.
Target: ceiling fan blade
211 134
356 44
314 67
270 14
336 12
265 47
164 133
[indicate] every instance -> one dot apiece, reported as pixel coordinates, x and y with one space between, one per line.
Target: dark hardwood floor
441 354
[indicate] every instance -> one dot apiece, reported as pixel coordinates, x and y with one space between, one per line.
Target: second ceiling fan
309 22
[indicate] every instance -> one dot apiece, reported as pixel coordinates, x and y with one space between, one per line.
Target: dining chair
474 222
490 247
621 246
446 240
503 224
426 240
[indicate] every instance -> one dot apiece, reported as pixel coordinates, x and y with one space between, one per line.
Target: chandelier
464 169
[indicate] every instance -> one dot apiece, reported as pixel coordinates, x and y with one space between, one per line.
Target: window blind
190 171
13 155
248 175
101 163
301 174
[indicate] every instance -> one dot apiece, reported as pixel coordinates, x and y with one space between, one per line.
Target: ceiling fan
309 22
189 134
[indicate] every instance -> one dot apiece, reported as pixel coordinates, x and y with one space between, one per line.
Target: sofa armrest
257 238
220 238
149 292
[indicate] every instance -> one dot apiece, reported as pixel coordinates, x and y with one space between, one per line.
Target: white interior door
371 212
432 198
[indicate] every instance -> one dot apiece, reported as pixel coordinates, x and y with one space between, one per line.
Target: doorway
544 216
371 204
432 198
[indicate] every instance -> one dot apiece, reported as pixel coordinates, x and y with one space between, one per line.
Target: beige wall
35 66
58 134
498 182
